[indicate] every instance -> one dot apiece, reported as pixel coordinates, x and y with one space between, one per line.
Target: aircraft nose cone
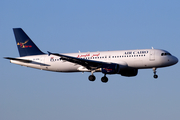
175 60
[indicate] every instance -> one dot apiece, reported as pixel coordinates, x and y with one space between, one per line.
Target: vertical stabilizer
25 45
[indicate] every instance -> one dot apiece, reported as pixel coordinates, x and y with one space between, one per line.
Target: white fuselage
139 59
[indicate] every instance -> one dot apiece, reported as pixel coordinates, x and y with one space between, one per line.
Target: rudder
25 45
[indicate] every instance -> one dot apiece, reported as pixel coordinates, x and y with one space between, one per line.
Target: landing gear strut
155 76
104 79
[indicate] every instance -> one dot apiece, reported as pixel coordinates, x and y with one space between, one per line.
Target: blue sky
69 26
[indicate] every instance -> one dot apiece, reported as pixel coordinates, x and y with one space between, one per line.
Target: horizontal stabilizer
26 61
20 60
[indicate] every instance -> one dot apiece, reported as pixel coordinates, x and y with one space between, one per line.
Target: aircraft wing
26 61
89 64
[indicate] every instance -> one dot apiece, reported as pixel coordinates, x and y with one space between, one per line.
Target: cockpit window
164 54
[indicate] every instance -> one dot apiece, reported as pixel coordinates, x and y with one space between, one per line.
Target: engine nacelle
129 72
110 69
118 69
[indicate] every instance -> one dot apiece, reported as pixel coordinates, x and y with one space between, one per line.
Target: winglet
49 53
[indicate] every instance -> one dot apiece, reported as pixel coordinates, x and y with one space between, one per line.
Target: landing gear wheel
92 78
155 76
104 79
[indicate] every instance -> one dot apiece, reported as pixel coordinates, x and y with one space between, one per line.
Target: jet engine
117 69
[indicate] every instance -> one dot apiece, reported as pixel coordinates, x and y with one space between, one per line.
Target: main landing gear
104 79
92 77
155 76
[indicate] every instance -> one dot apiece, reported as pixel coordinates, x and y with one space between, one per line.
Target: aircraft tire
155 76
92 78
104 79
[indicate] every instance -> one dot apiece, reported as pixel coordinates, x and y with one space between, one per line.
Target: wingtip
6 57
49 53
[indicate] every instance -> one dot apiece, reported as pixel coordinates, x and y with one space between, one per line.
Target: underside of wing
89 64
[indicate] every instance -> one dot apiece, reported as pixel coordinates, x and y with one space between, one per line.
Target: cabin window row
104 57
128 56
114 56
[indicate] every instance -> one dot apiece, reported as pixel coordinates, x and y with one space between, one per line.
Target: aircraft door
42 60
152 55
43 65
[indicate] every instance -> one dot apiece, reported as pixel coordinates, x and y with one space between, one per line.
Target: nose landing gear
155 76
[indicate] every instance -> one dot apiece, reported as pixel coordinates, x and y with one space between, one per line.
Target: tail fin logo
23 45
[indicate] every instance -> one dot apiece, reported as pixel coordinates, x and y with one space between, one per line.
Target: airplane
123 62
